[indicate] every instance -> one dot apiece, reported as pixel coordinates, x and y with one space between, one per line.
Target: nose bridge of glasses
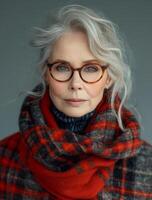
76 78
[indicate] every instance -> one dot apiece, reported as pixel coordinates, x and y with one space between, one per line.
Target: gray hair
104 42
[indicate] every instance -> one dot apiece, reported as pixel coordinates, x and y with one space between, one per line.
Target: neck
75 124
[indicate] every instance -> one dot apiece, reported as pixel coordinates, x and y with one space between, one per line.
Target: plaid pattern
122 161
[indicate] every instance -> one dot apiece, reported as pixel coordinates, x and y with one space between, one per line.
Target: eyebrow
86 61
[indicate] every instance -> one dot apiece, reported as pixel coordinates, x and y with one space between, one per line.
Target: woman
77 139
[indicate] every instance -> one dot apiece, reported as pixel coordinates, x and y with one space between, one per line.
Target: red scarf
89 158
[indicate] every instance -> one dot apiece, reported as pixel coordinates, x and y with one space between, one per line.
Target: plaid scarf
69 165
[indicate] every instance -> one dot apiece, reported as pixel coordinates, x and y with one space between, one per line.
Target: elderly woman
77 138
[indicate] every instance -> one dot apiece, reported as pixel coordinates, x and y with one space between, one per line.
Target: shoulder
141 163
136 173
143 159
16 180
146 149
9 147
10 140
132 177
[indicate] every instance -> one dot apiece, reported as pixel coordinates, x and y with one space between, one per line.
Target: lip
75 102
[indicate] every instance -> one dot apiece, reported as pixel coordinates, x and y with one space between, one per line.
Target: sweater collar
75 124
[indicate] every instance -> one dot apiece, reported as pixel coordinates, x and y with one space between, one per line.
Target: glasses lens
61 71
91 72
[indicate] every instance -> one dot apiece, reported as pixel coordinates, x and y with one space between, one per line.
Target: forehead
72 46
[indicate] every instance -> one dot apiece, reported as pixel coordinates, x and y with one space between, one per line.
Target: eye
91 68
61 67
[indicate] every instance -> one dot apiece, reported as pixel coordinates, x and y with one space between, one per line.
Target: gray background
18 59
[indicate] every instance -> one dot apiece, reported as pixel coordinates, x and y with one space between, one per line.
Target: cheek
56 88
95 90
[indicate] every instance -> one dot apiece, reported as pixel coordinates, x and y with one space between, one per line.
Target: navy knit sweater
75 124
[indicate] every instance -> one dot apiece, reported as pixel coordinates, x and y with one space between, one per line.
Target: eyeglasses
89 73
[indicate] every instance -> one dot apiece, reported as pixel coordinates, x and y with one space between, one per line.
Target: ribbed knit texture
74 124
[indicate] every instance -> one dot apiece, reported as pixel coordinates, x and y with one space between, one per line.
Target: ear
109 82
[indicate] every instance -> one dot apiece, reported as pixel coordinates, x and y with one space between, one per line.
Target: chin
75 113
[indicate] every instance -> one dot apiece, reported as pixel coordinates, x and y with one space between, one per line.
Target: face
75 97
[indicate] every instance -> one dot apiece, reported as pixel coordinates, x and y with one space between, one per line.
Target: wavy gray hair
104 42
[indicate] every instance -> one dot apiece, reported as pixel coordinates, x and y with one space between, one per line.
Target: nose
75 82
